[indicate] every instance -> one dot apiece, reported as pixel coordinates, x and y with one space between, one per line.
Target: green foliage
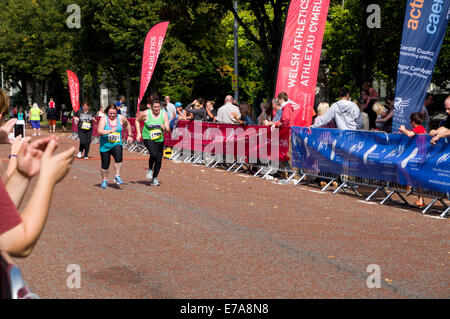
197 56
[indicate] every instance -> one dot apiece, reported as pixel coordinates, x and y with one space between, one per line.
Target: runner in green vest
155 122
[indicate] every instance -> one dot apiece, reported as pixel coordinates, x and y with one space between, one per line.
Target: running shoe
155 182
79 155
104 184
86 157
118 180
149 174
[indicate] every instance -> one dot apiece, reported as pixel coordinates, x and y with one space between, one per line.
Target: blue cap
178 104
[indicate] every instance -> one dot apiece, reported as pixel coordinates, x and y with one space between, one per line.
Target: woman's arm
386 118
236 117
20 240
166 123
101 127
137 124
211 116
127 125
25 166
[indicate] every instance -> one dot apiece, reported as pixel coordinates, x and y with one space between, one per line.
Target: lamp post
236 44
3 86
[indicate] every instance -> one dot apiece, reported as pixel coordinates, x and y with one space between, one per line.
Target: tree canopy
37 47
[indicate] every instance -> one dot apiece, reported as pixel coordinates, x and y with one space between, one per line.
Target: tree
35 43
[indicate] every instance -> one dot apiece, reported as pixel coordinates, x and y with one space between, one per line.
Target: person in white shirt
171 109
224 112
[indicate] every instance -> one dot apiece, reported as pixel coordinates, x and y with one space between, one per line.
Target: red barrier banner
250 142
299 58
235 141
152 46
74 88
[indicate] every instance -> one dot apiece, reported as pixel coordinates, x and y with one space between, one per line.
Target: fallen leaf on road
251 204
388 281
331 257
275 206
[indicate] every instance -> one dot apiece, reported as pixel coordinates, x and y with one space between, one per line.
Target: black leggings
116 153
156 150
85 140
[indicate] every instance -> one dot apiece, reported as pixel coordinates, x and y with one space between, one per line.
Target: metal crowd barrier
395 188
353 182
435 196
313 174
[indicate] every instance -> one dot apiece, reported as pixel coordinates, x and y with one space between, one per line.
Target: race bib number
155 134
114 137
86 126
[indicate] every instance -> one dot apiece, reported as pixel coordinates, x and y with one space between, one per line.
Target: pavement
207 233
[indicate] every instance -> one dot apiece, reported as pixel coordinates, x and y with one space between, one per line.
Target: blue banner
423 32
374 155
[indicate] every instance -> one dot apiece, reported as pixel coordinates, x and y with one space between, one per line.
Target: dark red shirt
9 216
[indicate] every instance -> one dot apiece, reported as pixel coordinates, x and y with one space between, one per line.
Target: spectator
21 114
368 108
51 116
64 117
123 110
224 112
266 113
198 110
278 112
323 108
416 122
444 128
379 109
364 116
246 115
35 119
211 112
387 115
19 233
289 111
345 113
101 112
426 106
179 108
171 110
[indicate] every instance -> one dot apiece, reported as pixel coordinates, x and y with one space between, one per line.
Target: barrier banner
299 57
374 155
250 142
74 88
152 46
423 32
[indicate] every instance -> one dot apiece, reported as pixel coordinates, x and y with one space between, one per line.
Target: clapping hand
5 130
29 155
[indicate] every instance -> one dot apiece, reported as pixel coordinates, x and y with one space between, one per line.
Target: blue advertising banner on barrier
423 32
375 155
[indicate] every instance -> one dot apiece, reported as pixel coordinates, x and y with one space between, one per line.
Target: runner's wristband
12 155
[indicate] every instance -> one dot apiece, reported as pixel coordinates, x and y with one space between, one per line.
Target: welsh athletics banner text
74 88
299 58
152 46
374 155
423 32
